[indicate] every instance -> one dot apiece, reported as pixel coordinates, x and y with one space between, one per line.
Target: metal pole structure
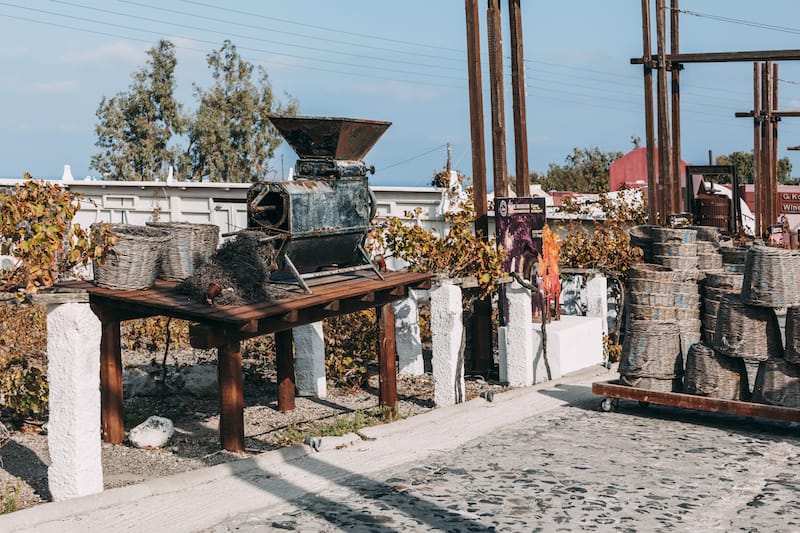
664 152
653 207
773 120
766 146
675 71
476 119
495 32
518 94
483 308
759 196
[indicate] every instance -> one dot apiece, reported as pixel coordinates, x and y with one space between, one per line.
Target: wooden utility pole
675 72
758 178
664 141
773 121
482 346
653 207
495 33
476 119
518 93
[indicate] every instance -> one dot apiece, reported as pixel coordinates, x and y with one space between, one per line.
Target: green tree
745 169
135 128
231 138
585 170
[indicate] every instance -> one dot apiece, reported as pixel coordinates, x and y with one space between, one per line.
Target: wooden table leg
387 356
284 355
231 397
112 409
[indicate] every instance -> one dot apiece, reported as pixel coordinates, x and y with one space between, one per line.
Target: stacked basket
134 260
717 284
708 256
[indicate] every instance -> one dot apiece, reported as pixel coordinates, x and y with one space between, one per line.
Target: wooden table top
163 299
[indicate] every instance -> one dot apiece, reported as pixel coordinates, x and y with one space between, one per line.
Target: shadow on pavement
23 463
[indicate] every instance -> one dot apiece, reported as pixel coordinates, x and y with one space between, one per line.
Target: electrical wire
404 161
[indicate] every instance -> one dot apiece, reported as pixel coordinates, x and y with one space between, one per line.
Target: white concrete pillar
597 299
447 332
309 360
518 337
73 373
407 339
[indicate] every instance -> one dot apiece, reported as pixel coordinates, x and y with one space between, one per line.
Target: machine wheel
643 404
607 405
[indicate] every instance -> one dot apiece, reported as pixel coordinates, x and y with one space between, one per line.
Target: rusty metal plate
330 137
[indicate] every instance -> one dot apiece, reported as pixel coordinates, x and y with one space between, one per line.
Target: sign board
519 223
790 203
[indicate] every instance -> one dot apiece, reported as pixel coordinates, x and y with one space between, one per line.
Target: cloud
55 87
111 52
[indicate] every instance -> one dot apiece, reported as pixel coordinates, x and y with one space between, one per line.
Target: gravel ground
24 455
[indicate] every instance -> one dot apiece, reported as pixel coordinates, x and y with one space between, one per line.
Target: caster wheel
607 405
644 405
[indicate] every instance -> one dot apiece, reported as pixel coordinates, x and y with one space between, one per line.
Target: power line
750 23
414 157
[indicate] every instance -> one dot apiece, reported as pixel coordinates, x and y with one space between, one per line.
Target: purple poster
519 223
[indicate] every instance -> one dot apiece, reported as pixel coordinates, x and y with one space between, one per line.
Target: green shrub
350 344
23 389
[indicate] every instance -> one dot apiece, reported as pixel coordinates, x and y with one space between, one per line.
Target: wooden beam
675 92
476 125
231 397
387 357
112 407
284 354
729 57
523 183
653 205
495 37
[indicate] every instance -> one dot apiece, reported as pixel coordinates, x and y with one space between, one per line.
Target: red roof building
631 170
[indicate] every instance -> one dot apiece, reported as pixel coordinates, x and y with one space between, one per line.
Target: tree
135 128
585 171
743 161
231 138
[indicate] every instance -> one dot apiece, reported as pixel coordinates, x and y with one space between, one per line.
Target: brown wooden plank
613 389
284 354
387 357
112 419
231 397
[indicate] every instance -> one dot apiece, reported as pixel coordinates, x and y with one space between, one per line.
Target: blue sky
398 61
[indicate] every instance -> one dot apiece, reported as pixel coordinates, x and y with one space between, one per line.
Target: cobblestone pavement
576 469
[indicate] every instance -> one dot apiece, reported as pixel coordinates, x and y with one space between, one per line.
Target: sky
403 62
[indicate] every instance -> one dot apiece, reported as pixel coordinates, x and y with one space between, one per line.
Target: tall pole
482 347
653 207
495 33
757 121
773 190
664 152
518 94
476 119
766 146
675 73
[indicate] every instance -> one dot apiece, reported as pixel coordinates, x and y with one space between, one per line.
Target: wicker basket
674 235
715 375
708 234
792 353
651 349
730 267
134 260
771 277
653 384
724 280
677 263
663 273
642 236
746 331
733 255
191 245
709 261
706 247
778 383
673 249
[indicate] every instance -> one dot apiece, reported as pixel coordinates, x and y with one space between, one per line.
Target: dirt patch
24 455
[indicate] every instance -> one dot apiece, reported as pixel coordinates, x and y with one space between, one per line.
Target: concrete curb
191 500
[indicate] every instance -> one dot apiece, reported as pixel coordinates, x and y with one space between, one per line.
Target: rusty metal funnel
330 137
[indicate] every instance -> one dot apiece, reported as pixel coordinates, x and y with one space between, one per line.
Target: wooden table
224 327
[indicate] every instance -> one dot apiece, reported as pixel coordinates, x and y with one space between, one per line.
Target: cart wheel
607 405
643 404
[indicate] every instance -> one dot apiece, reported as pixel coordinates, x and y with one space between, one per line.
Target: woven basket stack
717 284
708 256
651 356
642 237
133 262
709 373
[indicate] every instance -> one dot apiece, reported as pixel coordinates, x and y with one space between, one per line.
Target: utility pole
476 119
675 73
664 142
518 93
495 33
653 207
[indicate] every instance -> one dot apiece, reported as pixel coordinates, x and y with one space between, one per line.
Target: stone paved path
577 469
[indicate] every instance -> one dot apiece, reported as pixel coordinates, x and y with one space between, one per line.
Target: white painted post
518 337
597 299
73 373
407 339
447 331
309 360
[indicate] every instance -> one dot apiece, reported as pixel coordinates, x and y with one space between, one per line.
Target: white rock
154 432
137 382
201 380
